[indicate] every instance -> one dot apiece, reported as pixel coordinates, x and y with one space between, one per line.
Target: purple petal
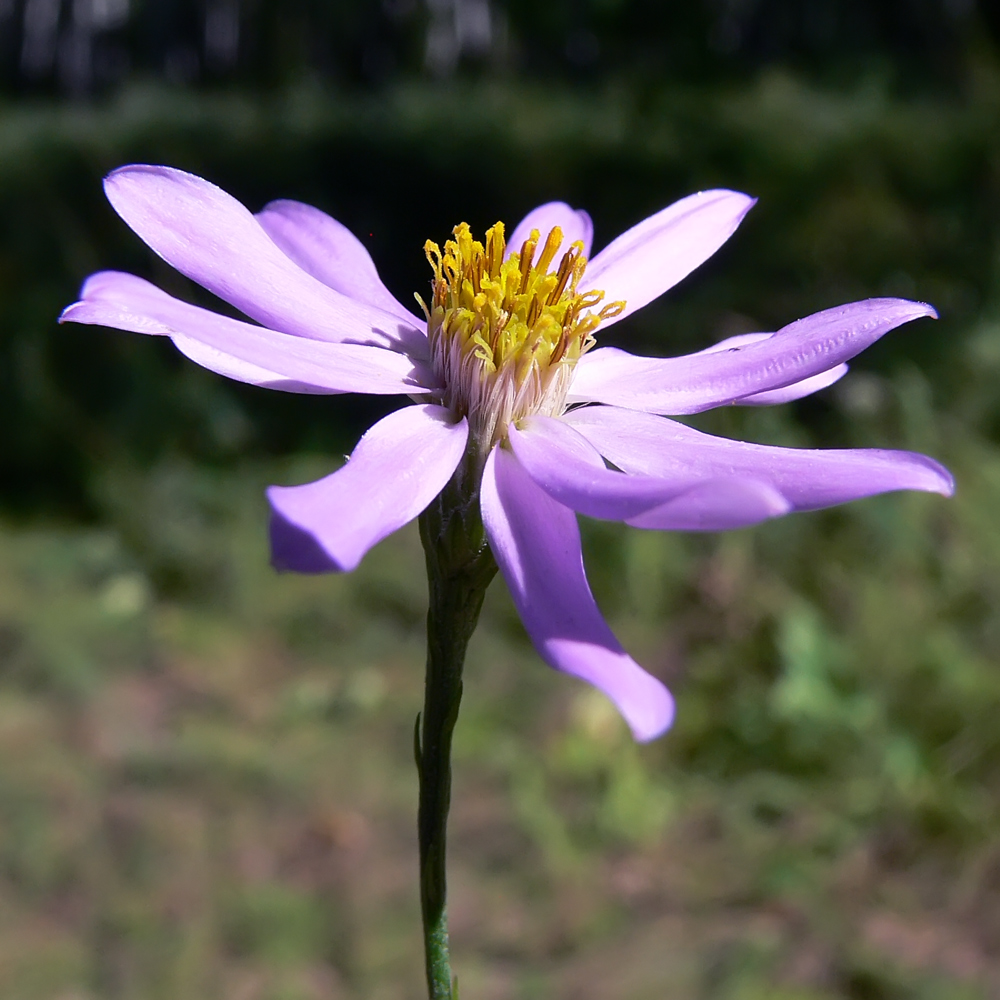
397 469
241 350
717 505
567 467
803 349
789 392
331 253
574 222
797 390
210 237
642 263
242 371
536 543
649 445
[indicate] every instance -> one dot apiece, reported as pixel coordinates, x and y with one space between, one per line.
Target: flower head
503 363
506 332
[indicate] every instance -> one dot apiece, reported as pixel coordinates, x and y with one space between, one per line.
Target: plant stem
459 569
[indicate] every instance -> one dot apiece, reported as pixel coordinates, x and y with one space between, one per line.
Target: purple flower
500 366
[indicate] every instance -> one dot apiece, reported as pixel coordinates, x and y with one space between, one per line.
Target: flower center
505 334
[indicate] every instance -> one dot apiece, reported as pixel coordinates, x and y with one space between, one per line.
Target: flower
501 365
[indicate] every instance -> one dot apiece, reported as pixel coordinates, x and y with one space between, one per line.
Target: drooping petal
797 390
242 371
566 466
574 222
787 393
210 237
536 543
397 468
716 505
803 349
808 479
241 350
331 253
646 260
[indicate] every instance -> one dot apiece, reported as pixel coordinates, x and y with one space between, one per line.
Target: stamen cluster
505 334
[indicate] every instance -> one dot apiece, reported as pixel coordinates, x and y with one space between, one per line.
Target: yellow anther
505 333
526 257
552 244
562 278
495 246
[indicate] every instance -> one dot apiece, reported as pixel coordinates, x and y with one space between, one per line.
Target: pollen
506 331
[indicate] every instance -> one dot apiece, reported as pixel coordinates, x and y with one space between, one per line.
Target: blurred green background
206 784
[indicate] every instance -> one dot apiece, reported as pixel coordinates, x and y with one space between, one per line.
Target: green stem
459 569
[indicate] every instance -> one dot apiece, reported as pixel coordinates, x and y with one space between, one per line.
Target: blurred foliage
863 192
91 46
206 785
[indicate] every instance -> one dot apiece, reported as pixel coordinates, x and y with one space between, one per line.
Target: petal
574 222
797 390
536 543
649 445
396 470
242 371
567 467
717 505
787 393
210 237
642 263
331 253
799 351
241 350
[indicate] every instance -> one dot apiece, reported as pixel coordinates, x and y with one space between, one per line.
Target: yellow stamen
505 334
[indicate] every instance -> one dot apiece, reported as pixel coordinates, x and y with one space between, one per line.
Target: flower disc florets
505 334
